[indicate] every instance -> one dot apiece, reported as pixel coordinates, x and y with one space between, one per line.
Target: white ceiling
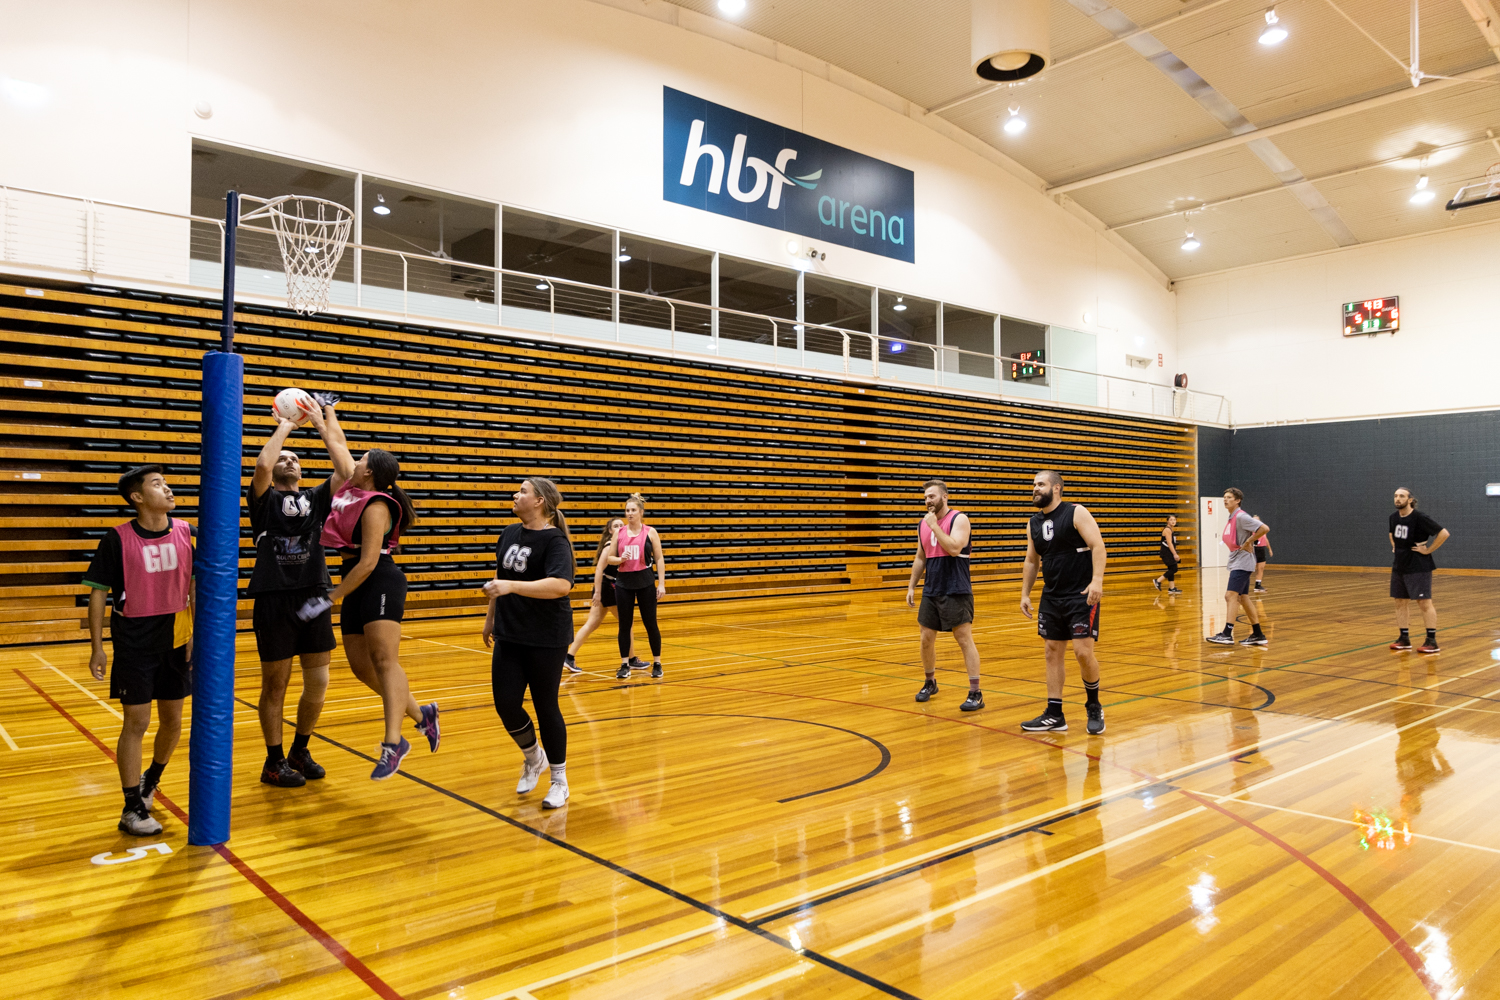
1104 107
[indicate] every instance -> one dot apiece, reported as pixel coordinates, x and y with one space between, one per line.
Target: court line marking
604 963
347 958
1339 819
107 706
788 973
8 741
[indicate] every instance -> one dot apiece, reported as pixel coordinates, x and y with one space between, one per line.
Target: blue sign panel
719 160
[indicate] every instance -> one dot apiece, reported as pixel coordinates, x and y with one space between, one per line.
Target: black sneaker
1260 589
1096 719
973 703
301 761
1222 639
1402 642
624 672
1156 582
572 664
283 775
1045 723
1430 646
929 688
656 669
1174 589
636 663
1255 639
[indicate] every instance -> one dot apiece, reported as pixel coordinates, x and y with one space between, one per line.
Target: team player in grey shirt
1240 535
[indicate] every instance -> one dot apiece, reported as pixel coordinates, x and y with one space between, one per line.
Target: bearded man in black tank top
1064 541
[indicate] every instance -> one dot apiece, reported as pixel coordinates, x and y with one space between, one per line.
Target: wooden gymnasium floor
779 818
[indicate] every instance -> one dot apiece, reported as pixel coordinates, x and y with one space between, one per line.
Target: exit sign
1372 316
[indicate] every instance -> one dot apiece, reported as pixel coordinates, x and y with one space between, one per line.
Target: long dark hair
605 536
384 469
552 507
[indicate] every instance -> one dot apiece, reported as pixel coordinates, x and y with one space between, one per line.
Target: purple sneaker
390 760
428 727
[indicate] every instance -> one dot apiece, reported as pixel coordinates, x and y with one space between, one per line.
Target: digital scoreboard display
1372 316
1028 365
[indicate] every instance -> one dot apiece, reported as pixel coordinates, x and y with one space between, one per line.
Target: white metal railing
103 240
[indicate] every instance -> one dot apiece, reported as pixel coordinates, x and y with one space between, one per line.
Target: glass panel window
543 247
653 268
906 323
973 333
422 225
752 287
1024 346
840 304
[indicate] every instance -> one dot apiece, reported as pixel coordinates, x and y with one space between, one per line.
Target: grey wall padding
1325 489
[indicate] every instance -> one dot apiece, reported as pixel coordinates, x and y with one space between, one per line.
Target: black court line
709 908
885 754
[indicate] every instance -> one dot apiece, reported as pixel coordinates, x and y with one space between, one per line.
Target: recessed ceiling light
900 306
1274 34
542 286
381 208
731 7
1191 243
1015 124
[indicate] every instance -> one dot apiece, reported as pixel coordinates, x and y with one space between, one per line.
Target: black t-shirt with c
523 554
1067 563
1413 529
150 633
286 526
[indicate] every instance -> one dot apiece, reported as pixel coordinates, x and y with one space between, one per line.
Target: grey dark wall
1325 489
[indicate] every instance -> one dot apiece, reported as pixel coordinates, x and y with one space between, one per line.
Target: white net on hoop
311 233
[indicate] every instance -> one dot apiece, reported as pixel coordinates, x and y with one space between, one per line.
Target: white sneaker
137 825
530 772
557 795
148 796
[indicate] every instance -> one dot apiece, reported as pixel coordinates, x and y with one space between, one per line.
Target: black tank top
1162 537
1067 564
287 526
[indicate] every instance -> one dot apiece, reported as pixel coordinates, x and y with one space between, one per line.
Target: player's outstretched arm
327 424
1088 530
265 462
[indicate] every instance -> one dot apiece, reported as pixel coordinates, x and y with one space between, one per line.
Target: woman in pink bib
640 580
365 525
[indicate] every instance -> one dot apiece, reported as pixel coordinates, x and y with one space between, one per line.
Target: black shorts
1260 553
941 612
281 635
139 677
1239 581
1411 586
607 592
1062 621
381 598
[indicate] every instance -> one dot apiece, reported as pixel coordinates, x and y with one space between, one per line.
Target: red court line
318 934
1403 948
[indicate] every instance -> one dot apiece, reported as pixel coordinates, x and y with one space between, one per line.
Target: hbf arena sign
722 161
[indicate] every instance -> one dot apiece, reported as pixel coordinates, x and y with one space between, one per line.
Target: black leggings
1172 564
513 669
625 602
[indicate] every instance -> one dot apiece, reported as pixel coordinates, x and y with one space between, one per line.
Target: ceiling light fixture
1191 243
731 7
542 286
1421 195
624 256
381 208
1015 124
1274 34
900 306
793 247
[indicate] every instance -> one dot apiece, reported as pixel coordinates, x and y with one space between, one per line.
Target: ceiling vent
1009 39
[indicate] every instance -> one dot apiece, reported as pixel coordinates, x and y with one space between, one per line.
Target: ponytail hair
552 506
605 537
638 500
384 468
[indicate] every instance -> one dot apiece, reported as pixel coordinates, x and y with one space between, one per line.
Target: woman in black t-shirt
530 624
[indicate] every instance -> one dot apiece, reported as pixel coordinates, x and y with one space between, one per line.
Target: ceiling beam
1332 114
1487 21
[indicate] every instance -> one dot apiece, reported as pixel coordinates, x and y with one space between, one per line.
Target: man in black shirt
1414 538
286 522
1064 538
145 567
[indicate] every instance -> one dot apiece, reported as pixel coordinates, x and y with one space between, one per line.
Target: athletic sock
133 799
1229 630
274 755
299 742
1255 629
152 777
1432 636
1054 707
560 773
1405 635
1093 693
533 752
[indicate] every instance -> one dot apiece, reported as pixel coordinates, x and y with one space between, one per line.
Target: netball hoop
312 234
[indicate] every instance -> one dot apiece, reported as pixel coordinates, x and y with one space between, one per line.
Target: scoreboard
1372 316
1028 365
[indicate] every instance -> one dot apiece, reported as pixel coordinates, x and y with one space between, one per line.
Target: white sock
533 752
559 774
